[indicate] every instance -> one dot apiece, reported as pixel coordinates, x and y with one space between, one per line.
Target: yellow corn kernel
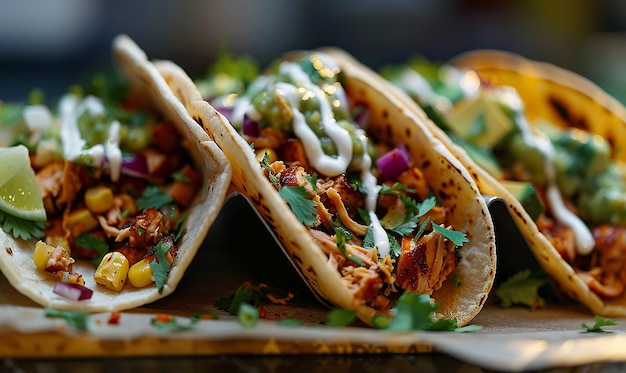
79 221
140 274
99 199
112 271
55 241
42 254
271 155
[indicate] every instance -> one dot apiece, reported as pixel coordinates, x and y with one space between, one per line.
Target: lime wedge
19 193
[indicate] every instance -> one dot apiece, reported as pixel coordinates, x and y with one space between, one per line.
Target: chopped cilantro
153 197
78 320
600 322
457 238
457 282
97 244
180 228
414 312
21 228
179 176
160 267
248 315
340 317
343 234
522 288
231 304
266 165
304 208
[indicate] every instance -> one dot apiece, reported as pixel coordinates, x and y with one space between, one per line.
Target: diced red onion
250 127
362 117
135 165
225 111
72 291
394 162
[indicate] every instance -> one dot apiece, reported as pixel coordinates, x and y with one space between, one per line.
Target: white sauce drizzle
70 109
381 240
327 165
584 239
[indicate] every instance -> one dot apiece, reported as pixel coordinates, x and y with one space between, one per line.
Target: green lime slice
19 193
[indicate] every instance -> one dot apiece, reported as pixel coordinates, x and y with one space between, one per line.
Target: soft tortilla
566 99
447 176
16 260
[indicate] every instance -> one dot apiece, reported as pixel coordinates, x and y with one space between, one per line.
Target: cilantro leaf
600 322
458 238
407 227
97 244
153 197
522 288
160 267
304 208
78 320
340 317
21 228
230 304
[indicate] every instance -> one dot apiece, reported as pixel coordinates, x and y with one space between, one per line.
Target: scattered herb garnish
94 243
179 176
456 281
289 322
415 312
21 228
78 320
153 197
600 322
343 234
160 266
522 288
340 317
248 315
230 304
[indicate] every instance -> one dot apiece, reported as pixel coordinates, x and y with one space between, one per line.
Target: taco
525 128
366 206
126 176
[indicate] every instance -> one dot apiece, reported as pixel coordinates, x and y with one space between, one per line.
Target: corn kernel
79 221
55 241
140 274
112 271
99 199
42 254
271 155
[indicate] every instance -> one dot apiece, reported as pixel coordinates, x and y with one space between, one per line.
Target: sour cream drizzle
325 164
70 109
381 240
584 239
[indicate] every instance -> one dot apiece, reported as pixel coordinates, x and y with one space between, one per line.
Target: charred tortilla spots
358 239
18 263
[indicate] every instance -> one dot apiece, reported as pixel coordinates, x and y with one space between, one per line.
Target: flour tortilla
16 260
446 175
568 100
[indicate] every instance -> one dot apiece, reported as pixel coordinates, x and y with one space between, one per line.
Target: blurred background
53 44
